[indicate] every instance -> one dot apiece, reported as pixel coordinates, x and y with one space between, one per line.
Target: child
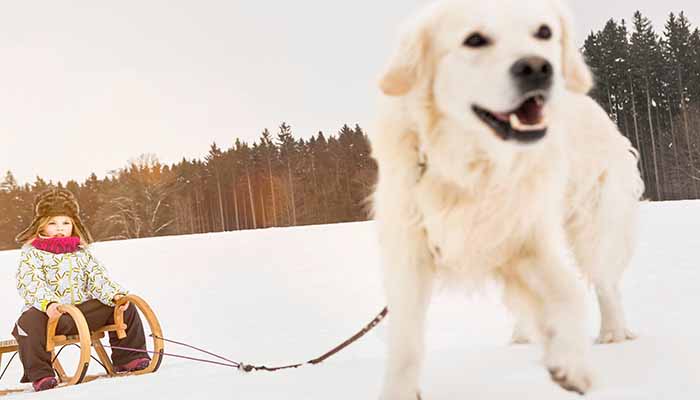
55 268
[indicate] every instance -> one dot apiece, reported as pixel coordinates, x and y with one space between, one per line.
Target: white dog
493 163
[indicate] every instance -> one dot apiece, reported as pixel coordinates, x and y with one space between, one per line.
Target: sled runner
86 339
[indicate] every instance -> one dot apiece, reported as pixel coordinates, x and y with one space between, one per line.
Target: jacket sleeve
100 286
31 281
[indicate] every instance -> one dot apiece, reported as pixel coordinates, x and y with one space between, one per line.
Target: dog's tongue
530 112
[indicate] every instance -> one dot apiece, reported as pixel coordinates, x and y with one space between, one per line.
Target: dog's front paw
571 379
569 368
574 378
615 336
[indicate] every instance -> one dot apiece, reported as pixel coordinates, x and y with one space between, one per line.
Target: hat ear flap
407 65
78 224
28 233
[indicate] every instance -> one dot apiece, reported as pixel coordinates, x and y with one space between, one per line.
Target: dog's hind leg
408 284
602 264
613 328
617 248
603 246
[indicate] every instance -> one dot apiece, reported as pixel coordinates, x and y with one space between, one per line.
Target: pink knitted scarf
57 245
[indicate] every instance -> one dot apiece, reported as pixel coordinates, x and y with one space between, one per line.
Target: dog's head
488 69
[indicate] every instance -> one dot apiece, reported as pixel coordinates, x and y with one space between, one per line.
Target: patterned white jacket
70 278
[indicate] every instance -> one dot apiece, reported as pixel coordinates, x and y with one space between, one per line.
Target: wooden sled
87 339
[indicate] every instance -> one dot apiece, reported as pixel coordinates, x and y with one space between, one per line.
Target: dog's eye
476 40
544 33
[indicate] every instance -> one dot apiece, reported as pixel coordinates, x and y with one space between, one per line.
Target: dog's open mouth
525 124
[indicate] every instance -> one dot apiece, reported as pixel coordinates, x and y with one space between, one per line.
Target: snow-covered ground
279 296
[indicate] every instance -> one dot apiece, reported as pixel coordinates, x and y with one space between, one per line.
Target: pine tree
270 154
676 47
9 183
644 63
215 167
287 148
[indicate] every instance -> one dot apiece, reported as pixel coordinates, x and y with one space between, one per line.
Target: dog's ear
577 75
406 65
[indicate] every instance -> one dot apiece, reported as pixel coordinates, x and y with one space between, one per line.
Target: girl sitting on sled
56 268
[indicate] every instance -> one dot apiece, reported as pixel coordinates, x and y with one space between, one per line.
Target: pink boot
45 383
133 365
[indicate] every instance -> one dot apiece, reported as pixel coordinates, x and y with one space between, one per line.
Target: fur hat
51 203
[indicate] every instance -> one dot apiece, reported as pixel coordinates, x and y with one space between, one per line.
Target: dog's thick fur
458 204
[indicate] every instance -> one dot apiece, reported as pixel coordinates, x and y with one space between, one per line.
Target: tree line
649 84
276 181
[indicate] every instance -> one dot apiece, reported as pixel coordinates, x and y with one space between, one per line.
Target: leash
249 367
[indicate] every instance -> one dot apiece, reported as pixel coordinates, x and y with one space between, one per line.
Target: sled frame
86 339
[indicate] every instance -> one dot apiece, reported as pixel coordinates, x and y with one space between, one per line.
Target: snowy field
279 296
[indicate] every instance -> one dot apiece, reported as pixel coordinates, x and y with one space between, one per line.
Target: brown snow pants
30 333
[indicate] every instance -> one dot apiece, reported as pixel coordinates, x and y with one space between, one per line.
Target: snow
280 296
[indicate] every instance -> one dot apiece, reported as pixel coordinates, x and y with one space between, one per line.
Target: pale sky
88 85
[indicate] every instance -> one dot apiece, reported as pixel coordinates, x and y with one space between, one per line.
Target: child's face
60 226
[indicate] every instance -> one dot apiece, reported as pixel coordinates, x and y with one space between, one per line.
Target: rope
171 355
78 346
194 348
8 364
247 367
56 356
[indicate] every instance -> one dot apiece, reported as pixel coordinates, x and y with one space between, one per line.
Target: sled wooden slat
5 392
7 346
61 340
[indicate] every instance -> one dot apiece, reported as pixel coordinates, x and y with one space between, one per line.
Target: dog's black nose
532 73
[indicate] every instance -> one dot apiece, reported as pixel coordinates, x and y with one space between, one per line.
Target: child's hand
53 312
123 306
